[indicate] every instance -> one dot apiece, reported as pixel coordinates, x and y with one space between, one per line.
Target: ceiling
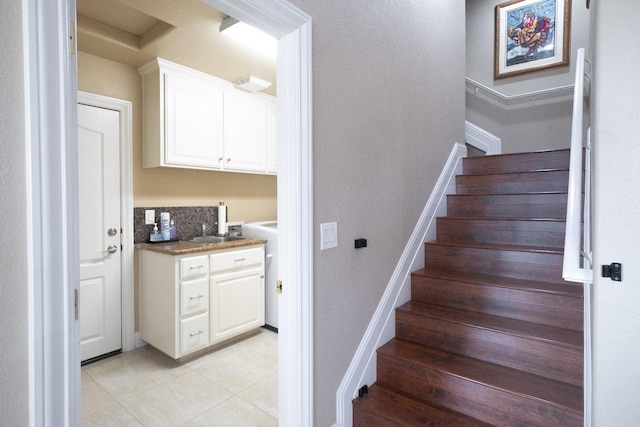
134 32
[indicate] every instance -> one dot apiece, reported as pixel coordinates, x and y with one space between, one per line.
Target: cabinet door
193 121
237 303
245 132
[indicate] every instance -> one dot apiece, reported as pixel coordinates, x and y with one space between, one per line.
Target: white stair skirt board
381 329
481 139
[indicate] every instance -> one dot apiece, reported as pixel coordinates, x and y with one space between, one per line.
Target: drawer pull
240 260
198 297
196 334
196 267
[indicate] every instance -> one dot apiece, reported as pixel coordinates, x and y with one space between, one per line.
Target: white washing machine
267 230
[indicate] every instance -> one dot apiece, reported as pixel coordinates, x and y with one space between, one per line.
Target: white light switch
149 216
328 235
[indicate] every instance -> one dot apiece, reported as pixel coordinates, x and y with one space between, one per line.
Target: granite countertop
184 247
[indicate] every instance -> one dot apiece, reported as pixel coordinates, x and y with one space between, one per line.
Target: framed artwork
531 35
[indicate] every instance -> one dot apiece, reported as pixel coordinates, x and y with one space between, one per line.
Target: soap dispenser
155 234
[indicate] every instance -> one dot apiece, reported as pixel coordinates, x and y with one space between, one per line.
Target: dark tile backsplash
188 221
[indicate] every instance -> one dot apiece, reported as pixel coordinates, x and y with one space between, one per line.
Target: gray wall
14 391
616 140
388 105
532 125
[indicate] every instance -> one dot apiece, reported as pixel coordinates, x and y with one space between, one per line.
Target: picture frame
531 36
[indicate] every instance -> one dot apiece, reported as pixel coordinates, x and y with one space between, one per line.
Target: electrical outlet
328 235
149 216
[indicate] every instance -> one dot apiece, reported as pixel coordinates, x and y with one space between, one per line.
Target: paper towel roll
222 219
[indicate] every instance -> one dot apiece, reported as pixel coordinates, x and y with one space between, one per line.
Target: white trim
52 203
382 326
295 190
481 139
588 378
124 108
559 92
51 104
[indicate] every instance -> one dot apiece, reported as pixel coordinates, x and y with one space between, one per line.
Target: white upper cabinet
272 151
193 125
246 120
197 121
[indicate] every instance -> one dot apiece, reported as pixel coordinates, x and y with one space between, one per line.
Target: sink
216 239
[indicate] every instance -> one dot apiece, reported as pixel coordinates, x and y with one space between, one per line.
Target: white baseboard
481 139
138 342
381 329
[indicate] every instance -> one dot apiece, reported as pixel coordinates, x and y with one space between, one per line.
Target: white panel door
99 186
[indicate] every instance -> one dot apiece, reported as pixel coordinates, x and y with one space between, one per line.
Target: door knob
112 231
112 249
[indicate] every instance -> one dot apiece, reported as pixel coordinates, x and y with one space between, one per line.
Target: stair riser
515 264
529 355
513 163
546 308
529 182
480 401
548 234
508 206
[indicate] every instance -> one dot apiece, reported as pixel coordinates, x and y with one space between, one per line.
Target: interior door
99 182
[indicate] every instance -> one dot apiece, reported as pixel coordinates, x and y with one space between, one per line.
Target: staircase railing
577 261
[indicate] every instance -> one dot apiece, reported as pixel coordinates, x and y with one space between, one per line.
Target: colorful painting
531 35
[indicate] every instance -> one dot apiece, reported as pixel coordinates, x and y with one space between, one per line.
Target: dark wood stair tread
382 407
564 288
517 162
554 220
529 330
535 387
542 170
499 247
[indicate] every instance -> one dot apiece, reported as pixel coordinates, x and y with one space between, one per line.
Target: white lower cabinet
189 302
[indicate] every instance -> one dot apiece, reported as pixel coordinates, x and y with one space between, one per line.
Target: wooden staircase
492 335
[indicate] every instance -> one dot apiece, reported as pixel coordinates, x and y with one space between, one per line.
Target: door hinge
279 286
72 37
75 303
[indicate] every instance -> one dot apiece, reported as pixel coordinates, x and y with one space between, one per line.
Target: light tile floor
234 386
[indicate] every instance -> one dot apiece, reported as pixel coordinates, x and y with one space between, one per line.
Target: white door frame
48 30
124 108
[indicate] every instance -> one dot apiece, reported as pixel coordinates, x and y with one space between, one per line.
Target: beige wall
388 105
14 356
529 126
249 197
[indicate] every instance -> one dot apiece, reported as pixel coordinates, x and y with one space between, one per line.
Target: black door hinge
614 271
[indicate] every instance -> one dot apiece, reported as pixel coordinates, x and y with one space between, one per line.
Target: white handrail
559 91
571 269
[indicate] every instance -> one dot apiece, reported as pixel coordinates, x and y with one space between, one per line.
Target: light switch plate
149 216
328 235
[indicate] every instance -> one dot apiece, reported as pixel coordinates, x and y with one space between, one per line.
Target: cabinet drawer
236 259
194 266
194 333
194 296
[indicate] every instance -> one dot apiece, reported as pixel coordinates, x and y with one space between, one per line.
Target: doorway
125 252
50 105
